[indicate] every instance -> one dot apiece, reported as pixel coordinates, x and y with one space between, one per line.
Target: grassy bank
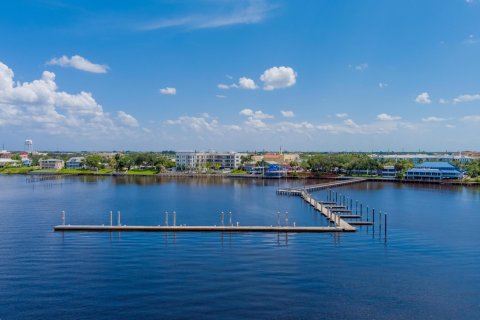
17 170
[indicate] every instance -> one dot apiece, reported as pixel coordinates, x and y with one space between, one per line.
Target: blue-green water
427 268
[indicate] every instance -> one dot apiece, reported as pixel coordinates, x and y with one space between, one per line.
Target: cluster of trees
473 168
340 162
143 160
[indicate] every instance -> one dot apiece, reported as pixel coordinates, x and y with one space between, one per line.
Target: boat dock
231 229
340 216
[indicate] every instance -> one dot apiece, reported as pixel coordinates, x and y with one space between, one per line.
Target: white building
194 159
419 157
8 162
51 164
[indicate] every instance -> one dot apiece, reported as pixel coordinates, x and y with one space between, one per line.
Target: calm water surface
427 268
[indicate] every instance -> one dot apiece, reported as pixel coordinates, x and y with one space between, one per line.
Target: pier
336 210
231 229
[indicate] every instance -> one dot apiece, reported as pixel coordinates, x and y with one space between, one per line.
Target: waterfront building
75 163
389 172
275 171
51 164
194 159
434 171
26 162
4 162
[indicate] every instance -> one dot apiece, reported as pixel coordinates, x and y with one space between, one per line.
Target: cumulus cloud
243 83
433 119
341 115
278 77
255 114
387 117
220 96
466 98
80 63
168 90
127 119
246 83
423 98
287 113
39 105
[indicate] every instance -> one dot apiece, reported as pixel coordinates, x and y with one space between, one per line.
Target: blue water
427 267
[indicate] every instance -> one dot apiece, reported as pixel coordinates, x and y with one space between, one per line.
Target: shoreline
247 176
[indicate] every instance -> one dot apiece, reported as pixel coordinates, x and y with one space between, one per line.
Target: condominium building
51 164
193 159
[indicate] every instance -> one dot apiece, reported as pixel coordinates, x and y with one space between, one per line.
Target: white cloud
450 126
237 13
287 114
443 101
466 98
423 98
433 119
255 114
387 117
382 85
471 118
168 90
223 86
220 96
78 62
341 115
246 83
127 119
40 106
359 67
278 77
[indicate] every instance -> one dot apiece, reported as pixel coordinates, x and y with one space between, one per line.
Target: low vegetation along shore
309 165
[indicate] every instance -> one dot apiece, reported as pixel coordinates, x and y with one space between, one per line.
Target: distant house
23 155
26 162
434 171
51 164
8 162
389 172
75 163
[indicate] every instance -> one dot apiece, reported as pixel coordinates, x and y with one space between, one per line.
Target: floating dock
230 229
335 212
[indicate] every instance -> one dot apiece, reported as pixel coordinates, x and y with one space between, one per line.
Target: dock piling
230 218
222 216
118 218
111 218
63 217
166 218
286 218
174 218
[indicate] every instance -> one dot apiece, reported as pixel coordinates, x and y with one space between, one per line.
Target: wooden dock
335 212
230 229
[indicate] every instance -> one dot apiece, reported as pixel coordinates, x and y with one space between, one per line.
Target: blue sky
240 75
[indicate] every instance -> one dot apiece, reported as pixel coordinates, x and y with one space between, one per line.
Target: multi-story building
419 157
193 159
434 171
389 172
51 164
75 163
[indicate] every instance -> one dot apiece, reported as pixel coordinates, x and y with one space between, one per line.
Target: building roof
76 159
437 165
